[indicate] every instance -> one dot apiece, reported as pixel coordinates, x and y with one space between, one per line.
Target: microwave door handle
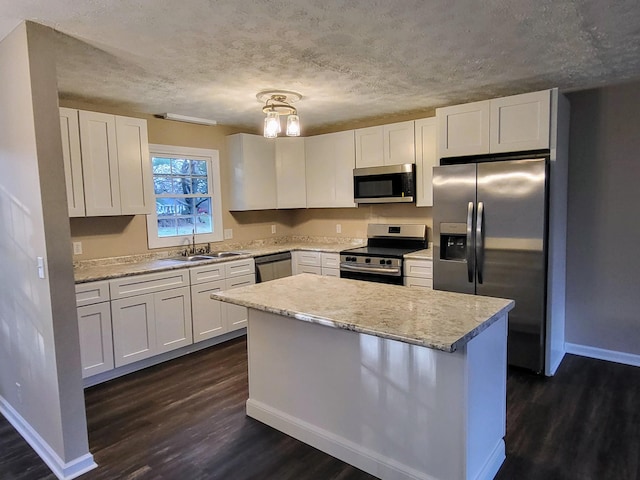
470 251
480 241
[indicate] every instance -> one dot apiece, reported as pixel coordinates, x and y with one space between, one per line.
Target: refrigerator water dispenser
453 241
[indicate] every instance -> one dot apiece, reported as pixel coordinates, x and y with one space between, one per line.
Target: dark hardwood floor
185 419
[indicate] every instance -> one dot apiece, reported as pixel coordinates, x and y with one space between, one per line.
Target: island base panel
394 410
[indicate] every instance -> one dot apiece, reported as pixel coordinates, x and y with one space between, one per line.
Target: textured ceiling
350 59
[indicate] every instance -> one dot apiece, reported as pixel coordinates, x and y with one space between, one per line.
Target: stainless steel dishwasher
270 267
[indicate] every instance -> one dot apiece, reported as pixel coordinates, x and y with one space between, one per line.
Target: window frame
212 157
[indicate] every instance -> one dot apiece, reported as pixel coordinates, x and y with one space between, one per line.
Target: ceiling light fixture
184 118
278 102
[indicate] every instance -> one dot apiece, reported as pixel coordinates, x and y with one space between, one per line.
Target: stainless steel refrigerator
490 238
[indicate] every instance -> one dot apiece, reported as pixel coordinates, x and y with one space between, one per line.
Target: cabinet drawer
316 270
418 268
330 272
148 283
308 258
418 282
239 267
207 273
330 260
92 292
240 281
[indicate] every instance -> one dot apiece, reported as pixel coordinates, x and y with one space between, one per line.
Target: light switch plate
77 248
273 229
338 228
228 233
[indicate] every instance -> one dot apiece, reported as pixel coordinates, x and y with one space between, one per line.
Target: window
186 185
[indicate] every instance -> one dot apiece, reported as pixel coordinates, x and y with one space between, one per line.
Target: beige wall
40 373
127 235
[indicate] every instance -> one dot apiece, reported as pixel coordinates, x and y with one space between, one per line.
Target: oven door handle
395 272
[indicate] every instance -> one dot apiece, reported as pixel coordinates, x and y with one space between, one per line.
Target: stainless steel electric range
381 260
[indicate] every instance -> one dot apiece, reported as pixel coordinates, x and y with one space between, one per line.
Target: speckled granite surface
435 319
116 267
426 254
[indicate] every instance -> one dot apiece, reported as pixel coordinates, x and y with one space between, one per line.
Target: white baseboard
336 445
62 470
602 354
494 462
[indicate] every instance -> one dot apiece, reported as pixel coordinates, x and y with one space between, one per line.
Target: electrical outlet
228 233
77 248
338 228
273 229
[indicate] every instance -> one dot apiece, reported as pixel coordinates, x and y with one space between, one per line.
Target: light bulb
271 124
293 126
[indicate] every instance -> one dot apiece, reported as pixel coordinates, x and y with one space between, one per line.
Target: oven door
370 276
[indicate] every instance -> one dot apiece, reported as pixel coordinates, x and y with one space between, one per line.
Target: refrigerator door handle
470 262
480 240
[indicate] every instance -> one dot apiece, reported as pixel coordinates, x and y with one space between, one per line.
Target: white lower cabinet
213 317
317 263
150 323
94 327
418 273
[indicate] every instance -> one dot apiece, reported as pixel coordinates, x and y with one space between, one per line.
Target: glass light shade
271 124
293 126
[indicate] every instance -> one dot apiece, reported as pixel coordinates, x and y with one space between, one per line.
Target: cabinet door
208 320
399 143
369 147
463 129
134 329
134 167
96 344
235 315
330 160
99 163
72 159
426 159
330 260
521 122
173 319
253 172
418 282
290 173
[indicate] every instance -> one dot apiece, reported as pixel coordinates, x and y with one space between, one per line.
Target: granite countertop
116 267
426 254
441 320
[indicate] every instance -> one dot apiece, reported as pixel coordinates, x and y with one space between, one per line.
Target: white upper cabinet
330 160
99 163
134 172
391 144
72 161
369 147
290 172
253 172
106 162
463 129
426 159
521 122
510 124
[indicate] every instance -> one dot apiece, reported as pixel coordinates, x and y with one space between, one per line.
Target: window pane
180 166
186 226
200 185
182 186
203 224
199 167
165 206
202 205
166 227
161 184
161 165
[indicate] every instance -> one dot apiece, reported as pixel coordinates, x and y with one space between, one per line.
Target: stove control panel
367 261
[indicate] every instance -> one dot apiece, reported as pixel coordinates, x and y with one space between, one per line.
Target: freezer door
454 197
512 206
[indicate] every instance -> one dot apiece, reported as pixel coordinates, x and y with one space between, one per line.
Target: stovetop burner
380 251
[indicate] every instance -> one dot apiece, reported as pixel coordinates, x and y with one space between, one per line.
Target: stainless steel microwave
388 184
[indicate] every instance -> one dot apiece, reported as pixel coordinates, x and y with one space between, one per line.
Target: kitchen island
402 383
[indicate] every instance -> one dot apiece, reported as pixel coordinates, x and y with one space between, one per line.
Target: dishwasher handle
273 257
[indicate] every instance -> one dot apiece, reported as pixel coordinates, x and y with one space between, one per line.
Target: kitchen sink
208 256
